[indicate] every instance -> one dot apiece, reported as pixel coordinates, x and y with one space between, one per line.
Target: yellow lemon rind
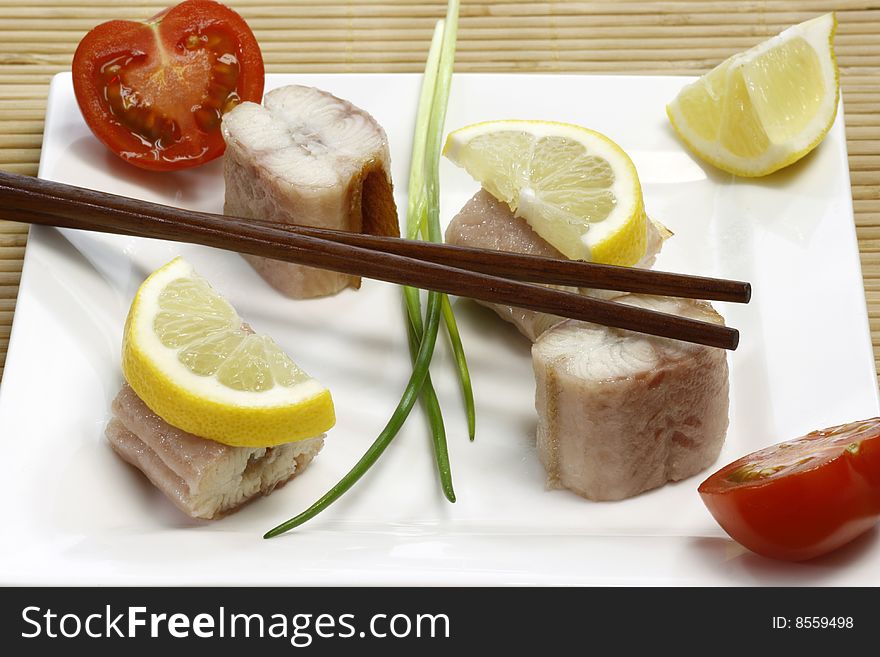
627 249
238 426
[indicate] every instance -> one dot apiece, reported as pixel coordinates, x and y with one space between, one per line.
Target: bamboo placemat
38 37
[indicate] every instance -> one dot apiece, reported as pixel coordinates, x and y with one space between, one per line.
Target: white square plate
73 513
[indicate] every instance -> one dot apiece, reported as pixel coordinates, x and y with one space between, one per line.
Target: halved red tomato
802 498
154 92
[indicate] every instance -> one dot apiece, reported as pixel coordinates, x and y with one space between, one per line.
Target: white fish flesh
621 412
205 479
307 157
487 223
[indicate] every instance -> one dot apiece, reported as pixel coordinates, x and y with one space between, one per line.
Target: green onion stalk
417 211
432 230
410 395
422 219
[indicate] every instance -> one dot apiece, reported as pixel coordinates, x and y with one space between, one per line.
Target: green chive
416 200
423 216
431 122
464 375
423 209
438 120
435 421
410 394
416 213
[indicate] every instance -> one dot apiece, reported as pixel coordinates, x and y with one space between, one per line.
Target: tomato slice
154 92
802 498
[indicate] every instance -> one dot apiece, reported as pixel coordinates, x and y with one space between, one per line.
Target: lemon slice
767 107
189 357
575 187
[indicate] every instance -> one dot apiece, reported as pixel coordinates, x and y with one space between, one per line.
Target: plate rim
440 578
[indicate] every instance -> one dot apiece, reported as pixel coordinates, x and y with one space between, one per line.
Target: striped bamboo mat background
38 37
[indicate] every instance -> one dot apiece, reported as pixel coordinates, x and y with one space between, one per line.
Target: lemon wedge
190 358
767 107
575 187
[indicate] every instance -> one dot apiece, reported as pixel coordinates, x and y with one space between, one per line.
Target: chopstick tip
733 341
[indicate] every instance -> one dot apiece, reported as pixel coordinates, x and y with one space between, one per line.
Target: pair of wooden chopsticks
481 274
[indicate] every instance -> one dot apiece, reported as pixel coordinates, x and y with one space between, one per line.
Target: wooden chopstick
540 269
37 201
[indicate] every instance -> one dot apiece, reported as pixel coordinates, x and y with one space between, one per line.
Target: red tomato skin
804 514
118 37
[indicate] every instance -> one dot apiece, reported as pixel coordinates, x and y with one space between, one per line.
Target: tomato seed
232 100
207 119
